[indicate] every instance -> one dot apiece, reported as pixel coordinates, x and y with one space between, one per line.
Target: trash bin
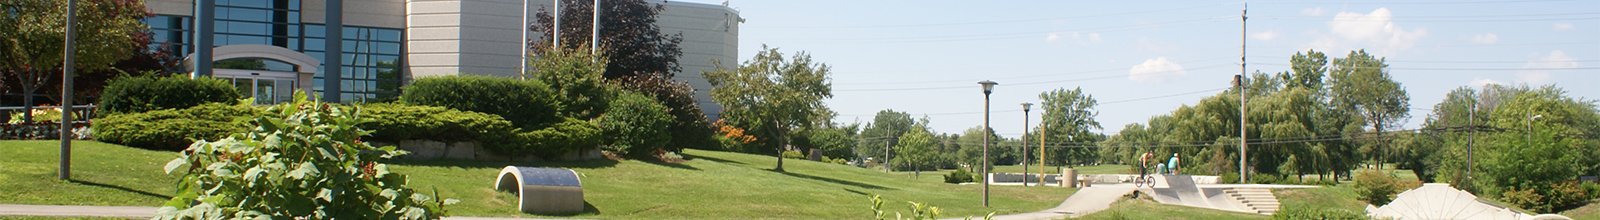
1069 178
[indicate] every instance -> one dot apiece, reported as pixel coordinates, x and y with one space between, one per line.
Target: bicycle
1144 180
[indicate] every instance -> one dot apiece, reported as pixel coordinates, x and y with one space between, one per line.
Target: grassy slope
711 185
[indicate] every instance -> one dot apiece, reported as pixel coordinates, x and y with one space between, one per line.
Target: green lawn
1146 209
102 174
1327 197
716 185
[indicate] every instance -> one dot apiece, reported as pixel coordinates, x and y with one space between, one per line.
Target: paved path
1085 201
78 211
115 211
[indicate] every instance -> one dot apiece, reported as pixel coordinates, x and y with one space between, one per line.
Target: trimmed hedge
175 129
146 93
568 136
393 122
636 125
525 103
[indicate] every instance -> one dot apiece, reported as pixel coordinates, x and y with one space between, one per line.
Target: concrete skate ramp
1177 190
1181 190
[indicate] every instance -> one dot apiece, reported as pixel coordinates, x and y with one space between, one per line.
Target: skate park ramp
1181 190
1440 201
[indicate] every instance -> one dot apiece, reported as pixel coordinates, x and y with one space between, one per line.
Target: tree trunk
27 101
782 141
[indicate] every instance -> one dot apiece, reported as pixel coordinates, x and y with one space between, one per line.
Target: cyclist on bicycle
1144 164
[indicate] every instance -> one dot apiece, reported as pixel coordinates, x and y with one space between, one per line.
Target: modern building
272 47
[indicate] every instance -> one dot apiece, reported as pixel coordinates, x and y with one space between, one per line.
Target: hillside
711 184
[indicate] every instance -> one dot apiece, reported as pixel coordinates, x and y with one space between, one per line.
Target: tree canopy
629 35
773 96
31 46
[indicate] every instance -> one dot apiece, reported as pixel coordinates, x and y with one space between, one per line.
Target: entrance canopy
305 63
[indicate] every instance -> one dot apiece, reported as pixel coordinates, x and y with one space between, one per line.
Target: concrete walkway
1085 201
118 211
77 211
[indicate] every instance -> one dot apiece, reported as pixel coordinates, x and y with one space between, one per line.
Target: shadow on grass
712 159
670 164
124 189
595 163
835 181
588 209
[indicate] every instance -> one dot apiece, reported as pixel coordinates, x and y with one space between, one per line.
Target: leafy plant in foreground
303 160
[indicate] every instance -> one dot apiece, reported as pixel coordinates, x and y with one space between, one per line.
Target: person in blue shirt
1172 164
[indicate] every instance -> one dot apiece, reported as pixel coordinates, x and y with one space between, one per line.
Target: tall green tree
773 96
629 35
971 146
31 45
916 150
1068 120
1361 83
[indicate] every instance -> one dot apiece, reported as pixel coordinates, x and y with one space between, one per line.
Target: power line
1456 69
1013 35
1412 2
1097 104
1085 72
990 21
1091 78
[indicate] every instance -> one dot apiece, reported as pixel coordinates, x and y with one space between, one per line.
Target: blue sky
1146 59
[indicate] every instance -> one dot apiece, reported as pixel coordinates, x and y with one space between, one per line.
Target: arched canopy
306 63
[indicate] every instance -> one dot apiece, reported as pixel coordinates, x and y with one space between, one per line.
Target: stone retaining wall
468 150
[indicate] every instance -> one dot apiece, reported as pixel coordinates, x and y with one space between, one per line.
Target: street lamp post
1025 108
988 87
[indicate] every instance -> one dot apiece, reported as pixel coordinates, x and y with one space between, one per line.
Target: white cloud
1265 35
1537 71
1052 37
1374 31
1485 38
1155 70
1316 11
1481 82
1561 26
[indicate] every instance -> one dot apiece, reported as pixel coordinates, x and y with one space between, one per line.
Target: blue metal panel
548 176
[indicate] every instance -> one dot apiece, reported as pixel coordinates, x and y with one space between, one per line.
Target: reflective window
371 60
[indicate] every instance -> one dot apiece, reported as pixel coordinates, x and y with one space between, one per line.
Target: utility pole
1042 129
1472 114
1239 81
555 27
886 155
594 40
523 64
68 54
